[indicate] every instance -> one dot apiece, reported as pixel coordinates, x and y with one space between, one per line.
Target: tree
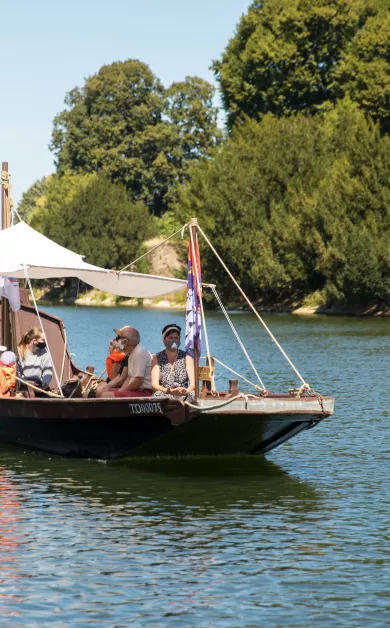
364 70
114 124
119 123
59 190
96 218
189 107
285 57
296 205
33 198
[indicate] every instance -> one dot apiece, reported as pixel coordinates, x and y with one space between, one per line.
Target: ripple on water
299 540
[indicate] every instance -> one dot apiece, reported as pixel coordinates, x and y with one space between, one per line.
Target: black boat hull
114 429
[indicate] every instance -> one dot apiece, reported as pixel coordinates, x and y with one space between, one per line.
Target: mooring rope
40 390
222 404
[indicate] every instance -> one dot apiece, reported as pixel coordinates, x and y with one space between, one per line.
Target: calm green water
298 539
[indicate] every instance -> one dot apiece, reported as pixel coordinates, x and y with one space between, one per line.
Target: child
7 374
113 360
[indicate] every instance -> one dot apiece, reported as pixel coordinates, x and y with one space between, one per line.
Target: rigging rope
64 355
236 335
40 322
238 375
306 385
181 230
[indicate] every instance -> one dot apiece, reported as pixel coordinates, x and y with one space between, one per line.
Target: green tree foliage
297 55
96 218
33 198
296 205
190 109
364 70
123 123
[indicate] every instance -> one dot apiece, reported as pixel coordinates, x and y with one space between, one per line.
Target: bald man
134 380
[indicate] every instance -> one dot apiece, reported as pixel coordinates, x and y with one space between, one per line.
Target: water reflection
10 540
203 484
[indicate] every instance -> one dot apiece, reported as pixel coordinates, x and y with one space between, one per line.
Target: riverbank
166 259
298 307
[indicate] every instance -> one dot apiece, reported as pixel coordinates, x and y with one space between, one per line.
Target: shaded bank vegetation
295 194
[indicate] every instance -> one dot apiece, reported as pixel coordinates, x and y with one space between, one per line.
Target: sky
48 47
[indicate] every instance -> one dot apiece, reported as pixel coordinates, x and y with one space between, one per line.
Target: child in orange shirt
7 374
113 360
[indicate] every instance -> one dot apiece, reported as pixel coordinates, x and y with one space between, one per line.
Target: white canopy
21 246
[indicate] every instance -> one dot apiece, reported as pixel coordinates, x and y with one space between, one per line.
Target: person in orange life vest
136 374
114 359
7 373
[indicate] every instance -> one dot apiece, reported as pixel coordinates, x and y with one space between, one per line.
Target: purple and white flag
193 311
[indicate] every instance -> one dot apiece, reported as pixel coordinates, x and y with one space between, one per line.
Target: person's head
32 340
171 337
114 346
8 358
128 338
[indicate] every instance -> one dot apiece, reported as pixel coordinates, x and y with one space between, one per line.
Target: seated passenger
173 372
113 360
7 374
34 363
135 379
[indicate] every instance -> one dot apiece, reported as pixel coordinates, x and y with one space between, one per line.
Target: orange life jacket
7 380
115 356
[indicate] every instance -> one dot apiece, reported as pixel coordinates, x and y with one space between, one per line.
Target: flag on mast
193 310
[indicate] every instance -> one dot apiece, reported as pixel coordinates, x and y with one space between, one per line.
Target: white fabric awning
23 247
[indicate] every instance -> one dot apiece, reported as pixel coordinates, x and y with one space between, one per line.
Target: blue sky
48 47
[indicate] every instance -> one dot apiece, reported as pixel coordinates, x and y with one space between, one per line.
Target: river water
300 538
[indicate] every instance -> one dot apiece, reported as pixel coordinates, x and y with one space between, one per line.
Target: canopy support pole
41 326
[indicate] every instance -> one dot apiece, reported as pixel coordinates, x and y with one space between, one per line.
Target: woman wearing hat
172 369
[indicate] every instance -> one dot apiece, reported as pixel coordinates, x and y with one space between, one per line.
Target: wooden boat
216 423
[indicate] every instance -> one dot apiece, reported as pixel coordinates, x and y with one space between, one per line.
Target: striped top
36 367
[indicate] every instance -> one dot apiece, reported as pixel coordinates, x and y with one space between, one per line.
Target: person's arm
182 390
116 382
136 377
132 383
156 376
115 369
47 370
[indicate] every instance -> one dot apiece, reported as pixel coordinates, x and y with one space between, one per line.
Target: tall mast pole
194 232
6 335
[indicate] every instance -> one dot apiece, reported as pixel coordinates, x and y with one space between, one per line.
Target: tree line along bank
294 191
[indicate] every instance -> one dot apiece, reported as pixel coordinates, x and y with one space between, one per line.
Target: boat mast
194 232
6 323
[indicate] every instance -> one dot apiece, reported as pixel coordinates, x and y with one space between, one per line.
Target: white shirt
140 365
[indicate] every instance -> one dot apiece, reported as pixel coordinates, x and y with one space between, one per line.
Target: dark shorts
141 392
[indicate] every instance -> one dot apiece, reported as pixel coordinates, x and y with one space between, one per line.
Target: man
135 378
